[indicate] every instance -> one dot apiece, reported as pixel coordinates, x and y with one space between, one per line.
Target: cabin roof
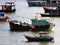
9 3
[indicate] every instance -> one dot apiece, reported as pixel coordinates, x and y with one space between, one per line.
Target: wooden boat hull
45 15
47 10
7 11
30 38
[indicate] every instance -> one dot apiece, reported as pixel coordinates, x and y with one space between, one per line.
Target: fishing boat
2 17
52 13
38 3
8 7
44 37
41 24
37 25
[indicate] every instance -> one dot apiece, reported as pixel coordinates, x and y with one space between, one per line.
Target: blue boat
38 3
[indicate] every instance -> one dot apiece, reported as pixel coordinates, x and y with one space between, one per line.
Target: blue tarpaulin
1 14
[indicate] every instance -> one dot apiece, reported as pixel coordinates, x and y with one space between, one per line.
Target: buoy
32 27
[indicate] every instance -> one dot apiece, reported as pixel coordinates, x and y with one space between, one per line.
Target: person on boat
38 16
44 35
4 8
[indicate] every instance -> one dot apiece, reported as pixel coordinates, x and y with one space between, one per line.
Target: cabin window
53 1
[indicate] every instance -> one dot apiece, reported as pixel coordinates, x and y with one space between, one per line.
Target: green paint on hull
40 22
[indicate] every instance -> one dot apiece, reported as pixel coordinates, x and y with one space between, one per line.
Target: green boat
44 37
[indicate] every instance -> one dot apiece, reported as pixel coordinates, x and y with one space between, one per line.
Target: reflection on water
24 14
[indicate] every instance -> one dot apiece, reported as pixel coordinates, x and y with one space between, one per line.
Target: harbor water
24 13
